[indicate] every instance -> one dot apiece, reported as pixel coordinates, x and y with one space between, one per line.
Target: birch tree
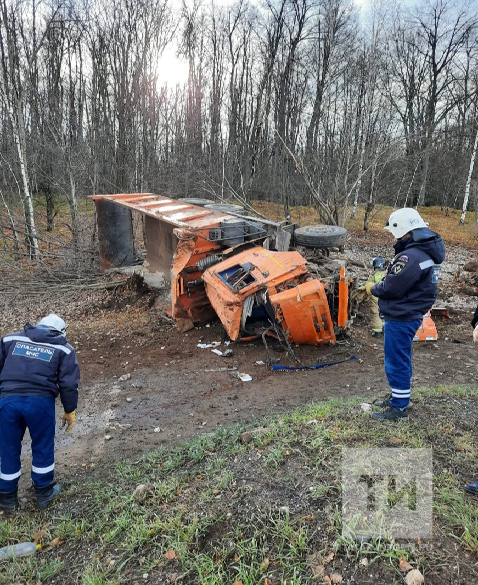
13 78
468 180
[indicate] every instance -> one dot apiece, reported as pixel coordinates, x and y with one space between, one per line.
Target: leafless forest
293 101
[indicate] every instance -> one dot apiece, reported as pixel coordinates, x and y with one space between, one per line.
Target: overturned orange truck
226 264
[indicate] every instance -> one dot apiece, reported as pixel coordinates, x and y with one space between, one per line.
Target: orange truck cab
259 288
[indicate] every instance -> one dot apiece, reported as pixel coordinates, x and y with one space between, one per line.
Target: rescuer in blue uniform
407 292
36 365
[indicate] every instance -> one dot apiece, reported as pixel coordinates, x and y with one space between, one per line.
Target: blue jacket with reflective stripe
409 288
39 362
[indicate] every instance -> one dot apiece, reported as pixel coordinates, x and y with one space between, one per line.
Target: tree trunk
11 87
468 181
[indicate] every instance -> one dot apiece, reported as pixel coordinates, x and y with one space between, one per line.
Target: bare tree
288 91
15 65
443 29
270 39
468 181
331 33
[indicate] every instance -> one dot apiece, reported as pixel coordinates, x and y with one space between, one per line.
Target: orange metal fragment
303 313
343 299
427 330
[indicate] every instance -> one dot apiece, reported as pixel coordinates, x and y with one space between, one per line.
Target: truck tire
320 236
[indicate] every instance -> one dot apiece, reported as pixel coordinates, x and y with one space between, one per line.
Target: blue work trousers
16 414
397 346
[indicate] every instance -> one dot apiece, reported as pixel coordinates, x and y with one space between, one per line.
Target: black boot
391 413
46 494
383 403
472 488
9 501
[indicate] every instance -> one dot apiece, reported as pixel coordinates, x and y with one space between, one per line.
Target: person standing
36 366
472 488
407 292
379 272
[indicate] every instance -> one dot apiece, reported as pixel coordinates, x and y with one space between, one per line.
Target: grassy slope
218 510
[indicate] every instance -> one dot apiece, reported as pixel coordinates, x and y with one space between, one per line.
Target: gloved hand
475 334
69 419
367 287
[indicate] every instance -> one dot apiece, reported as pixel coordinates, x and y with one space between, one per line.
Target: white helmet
404 220
54 322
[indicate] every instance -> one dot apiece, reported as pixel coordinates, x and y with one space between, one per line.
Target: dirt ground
145 385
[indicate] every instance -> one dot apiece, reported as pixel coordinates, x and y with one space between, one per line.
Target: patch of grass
29 570
216 510
459 513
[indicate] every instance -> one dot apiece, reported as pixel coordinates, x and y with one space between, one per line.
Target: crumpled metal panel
427 330
303 313
301 308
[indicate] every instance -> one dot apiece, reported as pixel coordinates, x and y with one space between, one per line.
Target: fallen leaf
329 558
238 583
318 570
265 564
38 536
404 565
56 542
170 554
414 577
336 578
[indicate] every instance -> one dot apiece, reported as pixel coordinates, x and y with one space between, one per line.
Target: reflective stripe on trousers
397 346
17 413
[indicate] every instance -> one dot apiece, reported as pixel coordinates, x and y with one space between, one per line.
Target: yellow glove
69 419
367 287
